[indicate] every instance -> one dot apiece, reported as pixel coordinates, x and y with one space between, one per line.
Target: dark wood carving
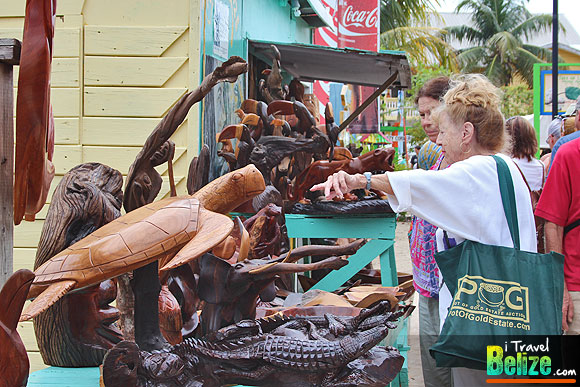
198 174
264 232
271 88
34 122
274 351
233 300
14 364
79 328
306 124
379 159
269 151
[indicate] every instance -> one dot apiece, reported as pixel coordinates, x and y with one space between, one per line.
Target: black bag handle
508 198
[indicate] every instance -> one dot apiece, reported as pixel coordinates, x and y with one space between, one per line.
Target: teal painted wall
269 20
236 45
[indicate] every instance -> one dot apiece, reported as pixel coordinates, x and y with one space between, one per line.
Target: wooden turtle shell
173 231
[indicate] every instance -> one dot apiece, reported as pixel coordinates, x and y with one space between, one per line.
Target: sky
571 8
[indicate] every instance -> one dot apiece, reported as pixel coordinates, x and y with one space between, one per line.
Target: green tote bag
497 291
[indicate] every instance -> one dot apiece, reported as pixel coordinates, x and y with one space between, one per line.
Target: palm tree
405 26
499 29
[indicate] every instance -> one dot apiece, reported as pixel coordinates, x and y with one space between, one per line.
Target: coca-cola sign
358 25
362 19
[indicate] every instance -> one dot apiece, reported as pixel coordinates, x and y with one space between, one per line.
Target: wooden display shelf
379 228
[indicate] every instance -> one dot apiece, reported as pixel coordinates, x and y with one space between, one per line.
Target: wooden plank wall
117 69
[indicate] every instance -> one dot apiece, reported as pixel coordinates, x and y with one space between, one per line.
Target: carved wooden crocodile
248 355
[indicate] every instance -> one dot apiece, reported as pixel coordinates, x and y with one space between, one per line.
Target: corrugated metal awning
308 62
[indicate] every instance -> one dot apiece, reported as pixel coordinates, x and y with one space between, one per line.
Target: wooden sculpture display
271 88
264 231
378 160
34 122
198 174
236 298
291 351
79 328
173 231
14 364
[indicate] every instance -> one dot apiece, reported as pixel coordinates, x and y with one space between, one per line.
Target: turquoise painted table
380 228
65 377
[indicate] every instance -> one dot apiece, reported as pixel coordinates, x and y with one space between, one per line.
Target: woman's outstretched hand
339 184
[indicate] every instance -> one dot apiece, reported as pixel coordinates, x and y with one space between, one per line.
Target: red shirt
560 204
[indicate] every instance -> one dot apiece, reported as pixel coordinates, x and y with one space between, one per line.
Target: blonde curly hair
473 98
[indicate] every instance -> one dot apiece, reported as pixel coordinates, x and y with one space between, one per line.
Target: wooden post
9 56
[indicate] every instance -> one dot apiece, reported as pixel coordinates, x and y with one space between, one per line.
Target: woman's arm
341 183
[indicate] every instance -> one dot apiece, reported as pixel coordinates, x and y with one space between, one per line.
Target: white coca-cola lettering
367 19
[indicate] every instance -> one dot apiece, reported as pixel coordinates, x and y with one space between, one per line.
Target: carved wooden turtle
174 231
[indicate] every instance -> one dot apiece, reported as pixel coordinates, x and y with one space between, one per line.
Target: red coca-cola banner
358 24
358 27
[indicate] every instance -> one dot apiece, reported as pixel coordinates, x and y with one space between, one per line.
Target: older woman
464 199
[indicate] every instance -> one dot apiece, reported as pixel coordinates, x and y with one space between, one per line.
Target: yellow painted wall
569 57
118 66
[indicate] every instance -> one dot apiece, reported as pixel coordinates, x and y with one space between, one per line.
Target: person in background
554 134
559 205
569 137
422 240
524 147
463 200
414 157
427 99
568 126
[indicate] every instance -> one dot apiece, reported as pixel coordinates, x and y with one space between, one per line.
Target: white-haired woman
464 199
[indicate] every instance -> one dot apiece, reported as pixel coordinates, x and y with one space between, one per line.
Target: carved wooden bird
271 88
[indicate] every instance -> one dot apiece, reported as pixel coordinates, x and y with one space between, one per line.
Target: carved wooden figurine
14 364
236 299
79 328
379 159
271 88
289 351
34 123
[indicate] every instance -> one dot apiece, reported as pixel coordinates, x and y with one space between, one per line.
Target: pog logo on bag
500 303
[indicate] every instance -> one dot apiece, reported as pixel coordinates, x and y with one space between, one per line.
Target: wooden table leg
363 256
389 267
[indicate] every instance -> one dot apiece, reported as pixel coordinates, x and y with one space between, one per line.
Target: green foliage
416 132
517 100
497 34
405 26
421 73
397 13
